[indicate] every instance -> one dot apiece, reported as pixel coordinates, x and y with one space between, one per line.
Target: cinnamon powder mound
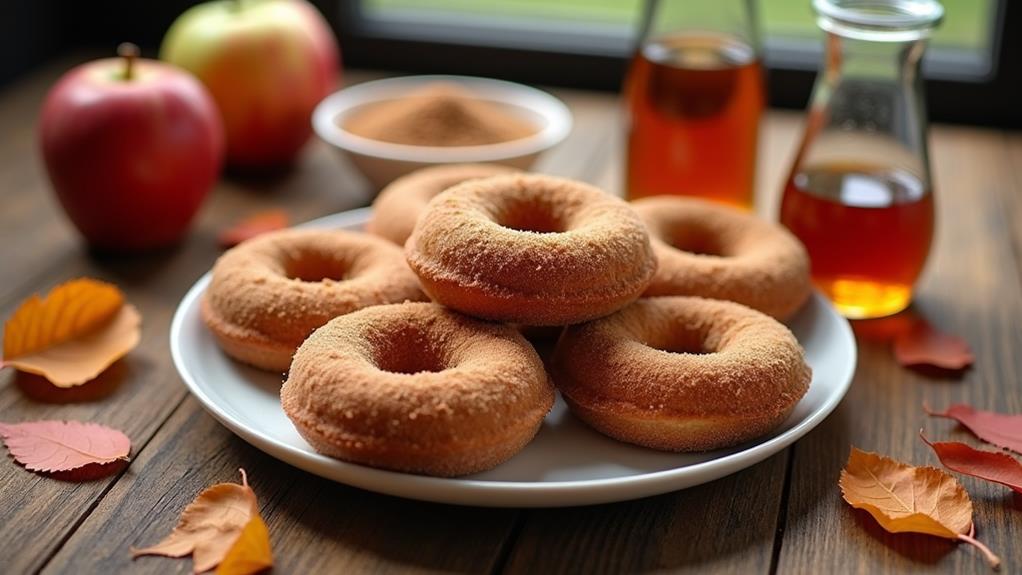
439 115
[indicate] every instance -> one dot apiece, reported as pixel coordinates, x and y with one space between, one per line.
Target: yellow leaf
73 334
211 525
251 552
903 498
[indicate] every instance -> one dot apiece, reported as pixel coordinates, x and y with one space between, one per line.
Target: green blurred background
966 24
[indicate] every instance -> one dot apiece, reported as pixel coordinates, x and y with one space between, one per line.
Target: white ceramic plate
566 464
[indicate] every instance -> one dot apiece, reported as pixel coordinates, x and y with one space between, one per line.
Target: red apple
132 147
267 64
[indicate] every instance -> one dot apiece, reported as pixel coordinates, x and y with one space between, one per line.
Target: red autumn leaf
252 226
63 445
989 465
997 428
924 344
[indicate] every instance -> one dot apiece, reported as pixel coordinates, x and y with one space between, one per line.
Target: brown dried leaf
903 498
211 525
251 552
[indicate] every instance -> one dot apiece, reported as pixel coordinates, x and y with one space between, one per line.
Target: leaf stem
992 559
923 437
929 411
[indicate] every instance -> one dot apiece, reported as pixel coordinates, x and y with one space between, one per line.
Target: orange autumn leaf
903 498
250 553
893 493
63 445
217 524
252 226
924 344
73 334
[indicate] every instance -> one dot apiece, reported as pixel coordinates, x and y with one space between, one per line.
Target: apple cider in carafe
867 229
859 193
694 101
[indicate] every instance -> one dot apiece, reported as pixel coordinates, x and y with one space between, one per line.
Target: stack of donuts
403 346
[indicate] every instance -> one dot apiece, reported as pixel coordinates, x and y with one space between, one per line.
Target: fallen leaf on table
903 498
250 553
73 334
999 429
993 466
63 445
252 226
216 526
923 344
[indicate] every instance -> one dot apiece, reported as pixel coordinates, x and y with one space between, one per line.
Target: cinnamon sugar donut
399 204
681 373
417 387
530 249
708 250
269 293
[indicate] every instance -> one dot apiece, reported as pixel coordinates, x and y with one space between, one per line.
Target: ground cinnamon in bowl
438 115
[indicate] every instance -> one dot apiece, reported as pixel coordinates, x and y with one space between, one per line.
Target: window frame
789 82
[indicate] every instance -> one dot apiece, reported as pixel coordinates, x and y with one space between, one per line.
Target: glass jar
859 194
694 96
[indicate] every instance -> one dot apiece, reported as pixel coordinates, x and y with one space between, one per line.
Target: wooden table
783 515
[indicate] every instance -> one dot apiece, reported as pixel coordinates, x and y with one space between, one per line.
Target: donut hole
407 351
684 342
699 242
315 266
532 216
689 348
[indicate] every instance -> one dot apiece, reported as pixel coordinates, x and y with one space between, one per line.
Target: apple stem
129 52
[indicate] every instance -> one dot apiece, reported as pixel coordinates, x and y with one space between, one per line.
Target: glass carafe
859 194
694 96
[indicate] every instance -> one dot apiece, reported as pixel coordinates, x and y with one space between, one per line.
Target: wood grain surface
970 288
783 515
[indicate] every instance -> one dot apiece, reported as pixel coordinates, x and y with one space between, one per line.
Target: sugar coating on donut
531 249
682 373
268 294
709 250
400 204
417 387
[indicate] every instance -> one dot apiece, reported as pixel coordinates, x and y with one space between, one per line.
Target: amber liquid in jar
694 105
868 231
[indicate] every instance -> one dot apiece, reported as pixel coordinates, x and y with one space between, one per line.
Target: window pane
962 47
967 23
614 12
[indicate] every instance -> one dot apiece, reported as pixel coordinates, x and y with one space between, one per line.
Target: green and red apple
131 146
267 64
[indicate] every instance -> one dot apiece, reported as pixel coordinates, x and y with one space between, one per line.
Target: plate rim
522 493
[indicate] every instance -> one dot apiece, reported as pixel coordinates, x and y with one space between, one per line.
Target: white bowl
383 162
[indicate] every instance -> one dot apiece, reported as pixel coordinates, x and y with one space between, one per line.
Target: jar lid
879 20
